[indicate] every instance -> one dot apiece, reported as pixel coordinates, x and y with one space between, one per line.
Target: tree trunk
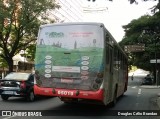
158 5
10 64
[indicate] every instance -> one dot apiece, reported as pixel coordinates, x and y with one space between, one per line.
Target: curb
150 87
158 100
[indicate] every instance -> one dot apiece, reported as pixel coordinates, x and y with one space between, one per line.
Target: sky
117 14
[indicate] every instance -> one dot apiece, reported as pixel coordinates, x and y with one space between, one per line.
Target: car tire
31 96
4 97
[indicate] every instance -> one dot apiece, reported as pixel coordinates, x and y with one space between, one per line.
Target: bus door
110 72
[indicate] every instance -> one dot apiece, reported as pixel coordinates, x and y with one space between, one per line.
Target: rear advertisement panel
69 54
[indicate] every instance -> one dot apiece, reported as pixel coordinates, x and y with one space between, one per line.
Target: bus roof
73 23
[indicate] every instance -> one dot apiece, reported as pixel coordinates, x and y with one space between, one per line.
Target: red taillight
23 84
100 75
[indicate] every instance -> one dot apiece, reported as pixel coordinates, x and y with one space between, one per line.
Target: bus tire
31 96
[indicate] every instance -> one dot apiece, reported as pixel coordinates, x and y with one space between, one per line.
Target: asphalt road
137 101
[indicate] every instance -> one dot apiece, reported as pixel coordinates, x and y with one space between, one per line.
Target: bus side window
116 58
111 58
107 54
107 38
119 61
120 57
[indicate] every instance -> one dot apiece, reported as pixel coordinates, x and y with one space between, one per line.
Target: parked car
147 80
17 84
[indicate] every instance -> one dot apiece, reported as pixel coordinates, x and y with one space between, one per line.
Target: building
79 11
69 11
94 11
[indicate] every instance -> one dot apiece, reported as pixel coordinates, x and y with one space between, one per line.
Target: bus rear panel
70 61
70 57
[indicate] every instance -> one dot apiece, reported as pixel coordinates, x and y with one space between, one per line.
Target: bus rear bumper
69 93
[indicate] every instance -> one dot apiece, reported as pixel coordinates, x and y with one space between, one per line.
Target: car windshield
17 76
148 79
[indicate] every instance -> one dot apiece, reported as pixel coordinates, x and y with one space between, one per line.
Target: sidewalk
149 86
158 99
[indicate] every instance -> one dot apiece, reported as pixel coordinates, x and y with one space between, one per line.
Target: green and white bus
79 61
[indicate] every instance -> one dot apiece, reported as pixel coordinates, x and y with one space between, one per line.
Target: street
82 52
136 102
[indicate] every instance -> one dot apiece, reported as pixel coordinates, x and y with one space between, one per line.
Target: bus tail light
95 86
99 75
98 80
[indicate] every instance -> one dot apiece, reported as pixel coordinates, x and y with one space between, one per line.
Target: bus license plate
65 93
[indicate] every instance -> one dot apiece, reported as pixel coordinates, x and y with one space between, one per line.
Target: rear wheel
4 97
31 96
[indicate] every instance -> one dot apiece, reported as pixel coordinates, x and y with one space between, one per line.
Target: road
136 101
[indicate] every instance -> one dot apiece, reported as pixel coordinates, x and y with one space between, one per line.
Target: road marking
134 87
139 91
137 104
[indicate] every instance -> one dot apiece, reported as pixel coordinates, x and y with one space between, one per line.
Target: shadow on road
22 99
82 109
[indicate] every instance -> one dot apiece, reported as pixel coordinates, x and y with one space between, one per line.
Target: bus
79 62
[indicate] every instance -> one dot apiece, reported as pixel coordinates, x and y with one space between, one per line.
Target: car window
17 76
148 79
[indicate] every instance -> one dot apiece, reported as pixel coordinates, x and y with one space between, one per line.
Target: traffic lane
80 111
150 90
134 99
16 103
137 81
137 98
43 102
130 101
57 108
91 112
19 103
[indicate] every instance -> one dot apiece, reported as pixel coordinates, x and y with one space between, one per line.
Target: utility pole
156 76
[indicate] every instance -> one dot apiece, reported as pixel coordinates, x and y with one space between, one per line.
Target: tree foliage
145 30
19 25
153 9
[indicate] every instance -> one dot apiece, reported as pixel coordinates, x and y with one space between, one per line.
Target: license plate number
8 92
65 93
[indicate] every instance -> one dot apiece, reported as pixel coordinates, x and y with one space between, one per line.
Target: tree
19 25
145 30
153 9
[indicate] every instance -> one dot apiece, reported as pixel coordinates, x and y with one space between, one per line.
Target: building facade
79 11
69 11
95 11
